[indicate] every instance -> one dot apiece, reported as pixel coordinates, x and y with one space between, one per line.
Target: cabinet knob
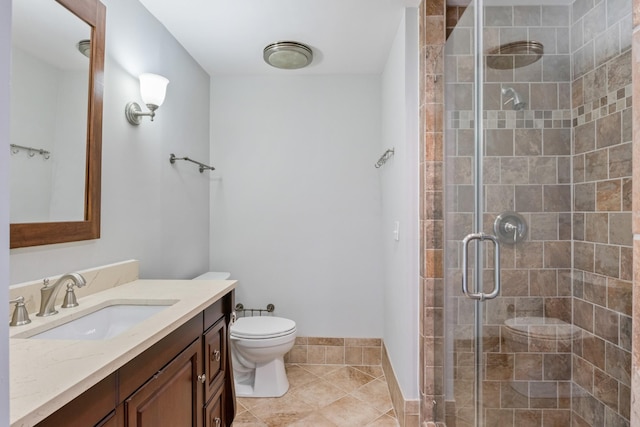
215 356
202 378
218 421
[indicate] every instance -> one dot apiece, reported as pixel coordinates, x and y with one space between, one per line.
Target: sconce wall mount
153 89
134 113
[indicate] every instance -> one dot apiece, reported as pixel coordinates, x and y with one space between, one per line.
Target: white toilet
258 346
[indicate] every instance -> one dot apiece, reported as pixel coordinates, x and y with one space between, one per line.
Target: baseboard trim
407 411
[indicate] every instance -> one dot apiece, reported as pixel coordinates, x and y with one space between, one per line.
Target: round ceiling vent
288 55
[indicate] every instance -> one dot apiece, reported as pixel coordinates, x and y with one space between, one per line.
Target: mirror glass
49 102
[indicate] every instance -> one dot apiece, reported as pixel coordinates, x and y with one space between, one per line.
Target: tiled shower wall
602 169
602 280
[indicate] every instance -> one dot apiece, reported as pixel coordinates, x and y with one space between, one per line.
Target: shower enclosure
537 222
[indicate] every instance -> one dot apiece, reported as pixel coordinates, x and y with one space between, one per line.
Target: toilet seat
262 327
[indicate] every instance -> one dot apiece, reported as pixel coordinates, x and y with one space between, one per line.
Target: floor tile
281 411
349 412
384 421
374 371
375 394
318 394
321 370
299 376
315 420
348 378
323 396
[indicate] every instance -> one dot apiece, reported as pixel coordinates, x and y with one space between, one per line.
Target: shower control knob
510 228
202 378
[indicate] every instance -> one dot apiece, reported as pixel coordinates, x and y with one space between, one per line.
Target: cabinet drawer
215 357
88 409
224 306
213 414
143 367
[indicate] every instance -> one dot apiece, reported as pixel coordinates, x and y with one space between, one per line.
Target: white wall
296 210
5 55
400 194
152 211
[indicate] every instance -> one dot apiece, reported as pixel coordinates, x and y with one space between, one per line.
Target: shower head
515 55
518 102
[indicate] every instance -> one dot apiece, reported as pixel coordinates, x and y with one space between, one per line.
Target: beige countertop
47 374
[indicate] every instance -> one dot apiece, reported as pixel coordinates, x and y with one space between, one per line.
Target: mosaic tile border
502 119
614 101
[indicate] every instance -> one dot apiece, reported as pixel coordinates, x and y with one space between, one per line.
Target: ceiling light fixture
84 47
288 55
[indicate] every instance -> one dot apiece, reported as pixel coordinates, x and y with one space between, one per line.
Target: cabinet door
173 397
109 421
213 411
215 352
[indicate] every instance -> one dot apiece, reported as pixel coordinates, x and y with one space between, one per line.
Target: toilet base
268 380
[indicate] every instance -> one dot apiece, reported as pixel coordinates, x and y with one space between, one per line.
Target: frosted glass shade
153 88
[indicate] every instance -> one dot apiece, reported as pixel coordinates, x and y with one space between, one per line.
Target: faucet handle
69 297
20 314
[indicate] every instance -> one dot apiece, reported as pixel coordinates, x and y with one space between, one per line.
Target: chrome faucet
48 293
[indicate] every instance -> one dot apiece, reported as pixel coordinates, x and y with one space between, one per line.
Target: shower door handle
465 266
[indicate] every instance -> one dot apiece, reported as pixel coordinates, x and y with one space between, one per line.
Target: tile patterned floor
323 396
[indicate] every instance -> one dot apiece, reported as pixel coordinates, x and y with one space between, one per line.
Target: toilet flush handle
234 317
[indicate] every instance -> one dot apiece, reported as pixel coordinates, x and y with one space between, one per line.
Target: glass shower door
508 333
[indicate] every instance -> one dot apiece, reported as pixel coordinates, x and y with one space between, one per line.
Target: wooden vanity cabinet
183 380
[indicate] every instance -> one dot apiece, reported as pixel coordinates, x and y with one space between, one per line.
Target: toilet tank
213 275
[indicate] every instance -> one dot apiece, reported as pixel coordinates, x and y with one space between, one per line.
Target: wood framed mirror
87 225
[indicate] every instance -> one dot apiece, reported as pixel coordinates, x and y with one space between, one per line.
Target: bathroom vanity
171 369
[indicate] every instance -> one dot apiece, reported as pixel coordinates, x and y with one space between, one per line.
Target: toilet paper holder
240 308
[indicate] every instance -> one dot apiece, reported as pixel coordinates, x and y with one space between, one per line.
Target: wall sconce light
153 89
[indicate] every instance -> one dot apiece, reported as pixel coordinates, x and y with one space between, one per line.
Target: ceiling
228 36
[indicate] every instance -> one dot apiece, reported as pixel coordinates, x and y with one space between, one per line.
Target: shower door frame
485 319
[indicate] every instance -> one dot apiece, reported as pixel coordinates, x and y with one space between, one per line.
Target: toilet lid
262 327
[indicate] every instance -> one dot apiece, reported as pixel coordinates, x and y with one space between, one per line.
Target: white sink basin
107 322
